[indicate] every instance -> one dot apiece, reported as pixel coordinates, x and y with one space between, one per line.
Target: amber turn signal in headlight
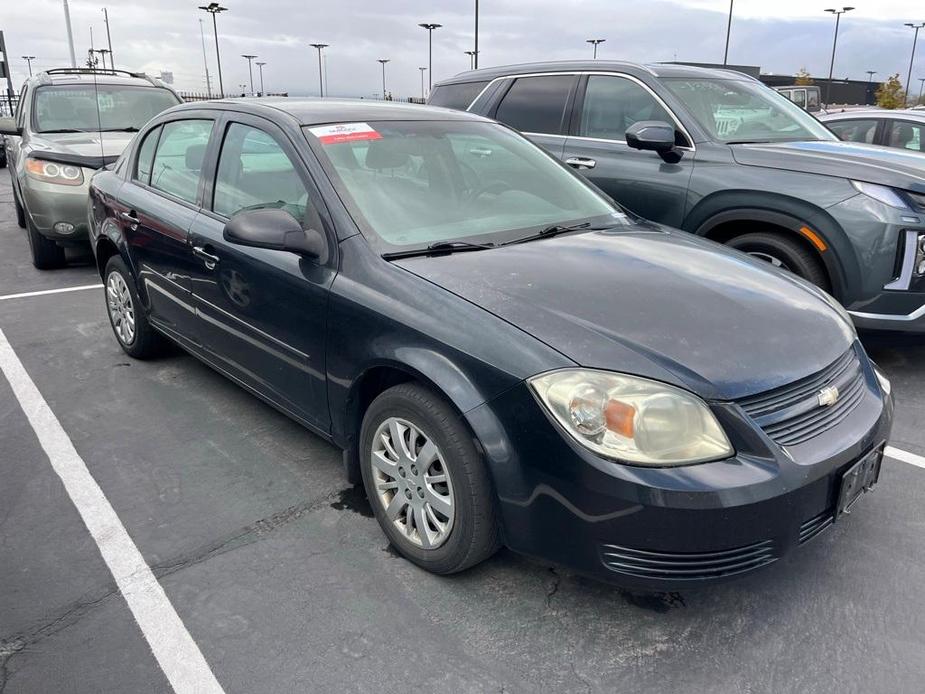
53 172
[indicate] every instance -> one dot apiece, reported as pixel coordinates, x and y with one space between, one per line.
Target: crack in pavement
554 588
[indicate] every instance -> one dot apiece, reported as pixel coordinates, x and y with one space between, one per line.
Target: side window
812 99
457 96
854 130
613 104
536 104
905 135
799 97
255 172
178 160
146 156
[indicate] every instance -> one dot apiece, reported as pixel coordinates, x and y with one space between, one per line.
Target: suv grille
687 565
792 414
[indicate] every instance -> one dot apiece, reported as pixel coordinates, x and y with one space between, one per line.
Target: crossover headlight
884 194
632 419
53 172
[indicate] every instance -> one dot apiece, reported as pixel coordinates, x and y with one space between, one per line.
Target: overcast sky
779 35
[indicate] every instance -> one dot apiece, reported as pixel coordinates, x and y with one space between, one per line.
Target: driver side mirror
276 230
655 136
8 127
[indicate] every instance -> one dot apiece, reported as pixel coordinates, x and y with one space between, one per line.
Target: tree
804 79
890 94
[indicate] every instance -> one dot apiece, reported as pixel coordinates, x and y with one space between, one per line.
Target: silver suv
70 122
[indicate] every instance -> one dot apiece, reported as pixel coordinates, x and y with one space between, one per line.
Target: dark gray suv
717 153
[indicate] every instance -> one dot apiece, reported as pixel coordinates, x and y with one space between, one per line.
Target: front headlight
632 419
52 172
884 194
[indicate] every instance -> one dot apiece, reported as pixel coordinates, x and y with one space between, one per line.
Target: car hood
869 163
663 305
90 144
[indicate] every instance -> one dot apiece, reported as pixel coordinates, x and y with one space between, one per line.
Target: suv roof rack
99 71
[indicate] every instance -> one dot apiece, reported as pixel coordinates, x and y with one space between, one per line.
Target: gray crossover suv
70 122
717 153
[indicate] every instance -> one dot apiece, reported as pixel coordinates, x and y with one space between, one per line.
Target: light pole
108 38
870 79
103 52
430 51
838 14
475 53
260 67
921 87
471 55
319 47
595 43
383 61
205 61
912 59
423 70
29 59
214 8
728 32
70 34
250 69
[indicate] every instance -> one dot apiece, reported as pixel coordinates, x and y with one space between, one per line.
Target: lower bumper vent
815 525
687 565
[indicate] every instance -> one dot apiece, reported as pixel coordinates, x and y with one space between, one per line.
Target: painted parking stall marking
45 292
174 649
904 456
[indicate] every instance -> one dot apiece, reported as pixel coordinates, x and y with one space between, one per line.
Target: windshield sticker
344 132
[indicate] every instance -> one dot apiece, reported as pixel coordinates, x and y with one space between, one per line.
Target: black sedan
504 355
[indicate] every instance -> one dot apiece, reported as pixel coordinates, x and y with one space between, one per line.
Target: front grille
688 565
815 525
792 414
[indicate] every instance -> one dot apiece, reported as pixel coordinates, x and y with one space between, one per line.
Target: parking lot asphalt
286 584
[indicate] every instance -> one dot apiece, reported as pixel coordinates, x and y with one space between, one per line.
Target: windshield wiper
129 129
440 247
555 230
63 130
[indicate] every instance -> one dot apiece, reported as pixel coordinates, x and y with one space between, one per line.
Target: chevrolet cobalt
503 354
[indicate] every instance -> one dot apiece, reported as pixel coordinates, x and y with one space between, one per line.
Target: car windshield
74 107
417 183
741 111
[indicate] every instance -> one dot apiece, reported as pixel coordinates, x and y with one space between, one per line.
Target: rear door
538 106
263 312
641 181
156 207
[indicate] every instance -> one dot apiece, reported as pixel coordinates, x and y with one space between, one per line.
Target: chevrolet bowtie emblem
828 396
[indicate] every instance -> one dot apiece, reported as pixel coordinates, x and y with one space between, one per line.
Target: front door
157 207
639 180
262 312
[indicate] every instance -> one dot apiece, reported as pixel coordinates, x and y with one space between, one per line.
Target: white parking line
173 647
904 456
51 291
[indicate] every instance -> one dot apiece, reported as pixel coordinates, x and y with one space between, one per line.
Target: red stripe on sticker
349 137
344 132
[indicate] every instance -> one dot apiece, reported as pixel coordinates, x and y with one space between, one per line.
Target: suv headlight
631 419
53 172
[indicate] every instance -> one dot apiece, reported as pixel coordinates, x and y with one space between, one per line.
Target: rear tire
784 253
46 254
471 530
126 314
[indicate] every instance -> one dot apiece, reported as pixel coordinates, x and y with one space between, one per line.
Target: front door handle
208 259
130 219
581 162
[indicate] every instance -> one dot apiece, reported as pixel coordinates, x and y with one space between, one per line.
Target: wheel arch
723 216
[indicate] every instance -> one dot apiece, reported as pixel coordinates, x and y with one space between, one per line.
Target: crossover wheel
126 314
426 481
784 253
46 254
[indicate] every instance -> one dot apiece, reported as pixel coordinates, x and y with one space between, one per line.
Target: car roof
903 113
635 69
316 111
77 76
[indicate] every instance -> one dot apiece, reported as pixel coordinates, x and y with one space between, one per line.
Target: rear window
457 96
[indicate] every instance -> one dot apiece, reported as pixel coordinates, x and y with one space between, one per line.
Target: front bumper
51 203
667 529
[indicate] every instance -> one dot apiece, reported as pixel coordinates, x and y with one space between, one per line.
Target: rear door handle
581 162
210 260
130 219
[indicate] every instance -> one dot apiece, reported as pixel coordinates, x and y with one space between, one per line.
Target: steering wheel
496 186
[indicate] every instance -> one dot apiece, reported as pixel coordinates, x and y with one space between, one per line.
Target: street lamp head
383 60
213 8
422 69
249 57
595 41
260 63
319 46
430 26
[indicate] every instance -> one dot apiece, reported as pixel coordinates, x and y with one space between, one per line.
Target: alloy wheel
412 483
121 308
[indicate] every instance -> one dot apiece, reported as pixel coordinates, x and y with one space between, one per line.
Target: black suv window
457 96
536 104
178 161
613 104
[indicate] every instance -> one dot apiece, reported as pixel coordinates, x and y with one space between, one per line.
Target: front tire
126 314
784 253
46 254
426 481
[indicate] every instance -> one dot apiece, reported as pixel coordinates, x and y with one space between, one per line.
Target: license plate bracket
858 479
